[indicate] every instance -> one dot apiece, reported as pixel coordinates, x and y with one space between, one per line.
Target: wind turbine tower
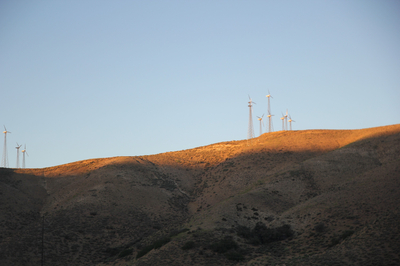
18 146
269 113
250 132
283 122
23 156
290 122
260 119
269 122
286 116
4 162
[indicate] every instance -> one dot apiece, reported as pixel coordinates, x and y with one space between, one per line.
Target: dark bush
177 232
161 242
113 251
125 253
188 245
144 251
320 228
261 234
157 244
336 240
244 231
223 245
346 234
284 232
234 255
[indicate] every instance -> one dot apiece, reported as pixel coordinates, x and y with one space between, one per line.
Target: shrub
320 228
144 251
157 244
125 253
343 236
113 251
223 245
243 231
234 255
161 242
188 245
346 234
261 234
177 232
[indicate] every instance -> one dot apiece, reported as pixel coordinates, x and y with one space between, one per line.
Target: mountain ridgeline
312 197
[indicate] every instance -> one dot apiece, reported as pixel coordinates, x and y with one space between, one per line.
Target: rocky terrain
313 197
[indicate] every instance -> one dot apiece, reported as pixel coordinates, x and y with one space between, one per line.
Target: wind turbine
283 122
18 146
260 119
290 122
269 112
270 122
23 156
286 116
250 132
4 161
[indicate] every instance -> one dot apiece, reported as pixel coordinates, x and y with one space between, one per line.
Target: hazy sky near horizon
92 79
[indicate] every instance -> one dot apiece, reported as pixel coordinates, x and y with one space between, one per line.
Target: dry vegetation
315 197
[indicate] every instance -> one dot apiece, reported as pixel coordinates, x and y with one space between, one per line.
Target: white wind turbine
283 122
269 112
23 156
4 162
290 122
18 146
270 122
286 116
261 123
250 132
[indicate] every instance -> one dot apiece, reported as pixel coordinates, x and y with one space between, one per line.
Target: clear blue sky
93 79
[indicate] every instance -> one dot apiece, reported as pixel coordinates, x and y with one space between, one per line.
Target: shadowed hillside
314 197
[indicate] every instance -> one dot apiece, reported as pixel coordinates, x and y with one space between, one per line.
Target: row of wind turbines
4 161
284 118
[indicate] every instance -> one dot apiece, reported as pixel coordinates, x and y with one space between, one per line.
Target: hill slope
322 197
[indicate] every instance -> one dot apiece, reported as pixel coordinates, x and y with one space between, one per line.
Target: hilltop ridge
320 183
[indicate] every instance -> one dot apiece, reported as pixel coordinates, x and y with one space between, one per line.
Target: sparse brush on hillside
261 234
314 197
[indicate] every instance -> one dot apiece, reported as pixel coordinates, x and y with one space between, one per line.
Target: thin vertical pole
43 241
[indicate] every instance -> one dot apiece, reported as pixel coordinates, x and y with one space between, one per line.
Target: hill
313 197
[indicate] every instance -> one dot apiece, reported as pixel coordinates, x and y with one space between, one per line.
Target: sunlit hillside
312 197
